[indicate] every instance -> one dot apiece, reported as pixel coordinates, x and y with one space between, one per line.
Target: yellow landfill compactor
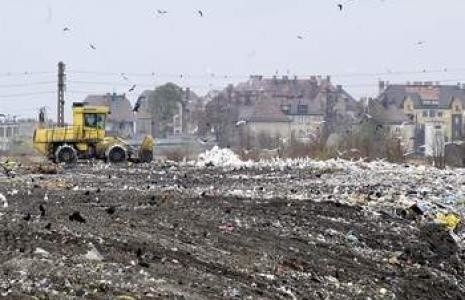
87 139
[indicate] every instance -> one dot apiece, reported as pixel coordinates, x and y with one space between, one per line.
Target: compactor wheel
116 154
65 154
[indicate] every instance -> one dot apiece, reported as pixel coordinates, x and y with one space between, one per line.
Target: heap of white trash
217 157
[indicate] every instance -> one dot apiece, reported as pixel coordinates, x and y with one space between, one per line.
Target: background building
289 107
9 130
120 122
427 103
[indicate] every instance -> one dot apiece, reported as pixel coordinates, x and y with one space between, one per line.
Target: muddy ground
161 231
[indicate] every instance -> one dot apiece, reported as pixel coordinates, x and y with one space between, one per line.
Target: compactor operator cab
90 118
93 120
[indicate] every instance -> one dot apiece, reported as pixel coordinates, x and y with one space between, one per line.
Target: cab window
94 120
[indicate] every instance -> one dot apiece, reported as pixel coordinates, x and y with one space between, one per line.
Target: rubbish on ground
93 254
450 221
4 201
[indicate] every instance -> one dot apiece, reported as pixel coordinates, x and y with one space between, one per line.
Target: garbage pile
222 228
217 157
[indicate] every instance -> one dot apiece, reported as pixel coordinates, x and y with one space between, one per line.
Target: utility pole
61 94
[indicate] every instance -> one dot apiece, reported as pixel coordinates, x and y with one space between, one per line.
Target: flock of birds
161 12
200 13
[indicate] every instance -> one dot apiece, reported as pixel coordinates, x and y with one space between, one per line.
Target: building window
302 109
425 113
440 114
2 132
286 109
430 102
457 108
432 113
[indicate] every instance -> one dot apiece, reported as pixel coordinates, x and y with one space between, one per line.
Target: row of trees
368 141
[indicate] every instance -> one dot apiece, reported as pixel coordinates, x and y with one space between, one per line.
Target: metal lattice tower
61 94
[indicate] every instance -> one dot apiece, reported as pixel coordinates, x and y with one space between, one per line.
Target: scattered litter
450 221
267 276
287 291
351 238
93 254
276 226
13 192
40 251
4 201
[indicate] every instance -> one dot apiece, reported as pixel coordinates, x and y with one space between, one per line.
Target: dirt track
166 232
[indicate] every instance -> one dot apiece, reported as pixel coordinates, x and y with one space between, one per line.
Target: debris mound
217 157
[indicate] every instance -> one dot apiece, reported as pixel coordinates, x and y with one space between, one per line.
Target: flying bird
420 43
124 77
300 37
92 46
200 13
161 12
66 29
132 88
340 6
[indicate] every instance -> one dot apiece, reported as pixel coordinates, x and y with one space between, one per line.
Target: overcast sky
367 41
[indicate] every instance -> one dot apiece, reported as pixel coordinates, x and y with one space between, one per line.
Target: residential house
9 130
120 122
430 106
306 108
392 123
265 123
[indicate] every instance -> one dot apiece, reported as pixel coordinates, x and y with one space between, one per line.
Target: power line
159 75
233 76
26 94
107 83
16 74
12 85
236 76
